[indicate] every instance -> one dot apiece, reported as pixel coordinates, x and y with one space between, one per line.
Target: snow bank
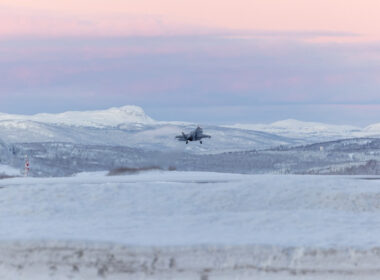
6 170
65 260
190 225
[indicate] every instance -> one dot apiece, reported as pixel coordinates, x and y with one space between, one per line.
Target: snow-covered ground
190 225
9 171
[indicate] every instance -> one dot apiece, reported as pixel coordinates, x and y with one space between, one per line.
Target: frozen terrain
359 156
305 130
186 225
72 142
130 126
312 131
190 225
99 118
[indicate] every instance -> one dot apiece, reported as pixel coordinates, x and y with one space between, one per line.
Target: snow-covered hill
373 129
313 131
99 119
130 126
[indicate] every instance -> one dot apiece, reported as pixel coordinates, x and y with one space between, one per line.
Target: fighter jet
195 135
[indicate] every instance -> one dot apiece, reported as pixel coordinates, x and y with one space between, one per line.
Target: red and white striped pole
26 170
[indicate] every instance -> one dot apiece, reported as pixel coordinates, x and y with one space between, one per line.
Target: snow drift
190 225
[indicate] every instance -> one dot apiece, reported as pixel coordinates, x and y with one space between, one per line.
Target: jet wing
182 137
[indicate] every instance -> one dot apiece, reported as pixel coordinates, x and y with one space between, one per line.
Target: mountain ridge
130 126
111 117
115 116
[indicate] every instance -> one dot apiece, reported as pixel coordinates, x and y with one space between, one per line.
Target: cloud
264 55
185 72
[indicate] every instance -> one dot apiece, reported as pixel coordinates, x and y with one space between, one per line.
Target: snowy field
190 225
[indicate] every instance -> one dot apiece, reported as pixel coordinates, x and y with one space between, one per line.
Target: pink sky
174 17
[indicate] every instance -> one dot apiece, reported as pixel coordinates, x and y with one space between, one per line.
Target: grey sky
209 78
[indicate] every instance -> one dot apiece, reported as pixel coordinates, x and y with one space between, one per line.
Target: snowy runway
189 225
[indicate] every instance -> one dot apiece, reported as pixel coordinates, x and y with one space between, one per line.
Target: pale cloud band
276 57
187 72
